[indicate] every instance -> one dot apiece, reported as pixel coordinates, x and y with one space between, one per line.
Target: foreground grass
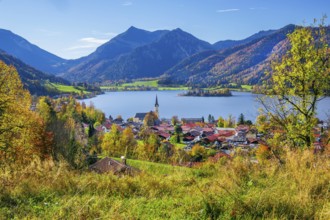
229 189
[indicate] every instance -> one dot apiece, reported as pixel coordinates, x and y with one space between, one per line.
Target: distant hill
245 63
137 54
29 53
34 80
220 45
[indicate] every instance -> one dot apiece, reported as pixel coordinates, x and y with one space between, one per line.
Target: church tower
157 107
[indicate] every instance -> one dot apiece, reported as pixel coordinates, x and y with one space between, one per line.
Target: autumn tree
300 79
128 142
19 128
111 142
220 122
149 148
230 122
150 119
198 152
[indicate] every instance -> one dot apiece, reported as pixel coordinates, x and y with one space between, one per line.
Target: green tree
241 119
178 132
220 122
300 79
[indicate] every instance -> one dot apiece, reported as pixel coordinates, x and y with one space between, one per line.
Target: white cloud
93 40
104 35
88 43
227 10
127 4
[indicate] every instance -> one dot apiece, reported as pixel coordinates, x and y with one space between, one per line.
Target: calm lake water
128 103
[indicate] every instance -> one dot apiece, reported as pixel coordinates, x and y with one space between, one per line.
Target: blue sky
74 28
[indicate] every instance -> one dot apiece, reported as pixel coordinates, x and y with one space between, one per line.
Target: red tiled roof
226 133
163 134
216 157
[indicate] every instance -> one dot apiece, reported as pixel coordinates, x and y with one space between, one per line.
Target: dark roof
189 120
140 115
107 164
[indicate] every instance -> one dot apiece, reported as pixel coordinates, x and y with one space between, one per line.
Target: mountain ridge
29 53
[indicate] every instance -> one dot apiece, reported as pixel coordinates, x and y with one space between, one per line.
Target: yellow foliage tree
18 125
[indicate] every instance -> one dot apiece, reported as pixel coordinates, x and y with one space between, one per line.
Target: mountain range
174 56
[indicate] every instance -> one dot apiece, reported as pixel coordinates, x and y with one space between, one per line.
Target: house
192 120
108 165
163 135
138 118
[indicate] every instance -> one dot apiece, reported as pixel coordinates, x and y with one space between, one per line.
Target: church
139 117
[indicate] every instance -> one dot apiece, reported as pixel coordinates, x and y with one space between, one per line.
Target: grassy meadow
139 85
67 89
229 189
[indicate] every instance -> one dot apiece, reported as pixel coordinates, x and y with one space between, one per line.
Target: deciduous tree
300 79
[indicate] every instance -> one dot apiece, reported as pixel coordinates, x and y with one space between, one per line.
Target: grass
247 87
229 189
139 85
67 89
151 83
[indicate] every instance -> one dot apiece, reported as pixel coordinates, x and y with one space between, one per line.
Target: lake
127 103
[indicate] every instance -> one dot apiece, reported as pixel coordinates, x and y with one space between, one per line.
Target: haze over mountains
175 56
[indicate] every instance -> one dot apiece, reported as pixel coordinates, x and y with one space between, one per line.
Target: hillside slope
34 80
244 64
29 53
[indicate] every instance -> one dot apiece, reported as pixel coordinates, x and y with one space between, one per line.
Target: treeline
207 92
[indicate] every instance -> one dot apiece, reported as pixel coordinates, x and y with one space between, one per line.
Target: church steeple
156 104
156 107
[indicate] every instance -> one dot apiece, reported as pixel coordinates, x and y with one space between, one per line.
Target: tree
230 122
300 79
19 127
128 142
174 120
178 132
198 152
241 120
111 143
150 119
220 122
148 149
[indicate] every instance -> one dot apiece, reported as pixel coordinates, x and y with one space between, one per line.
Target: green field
67 89
151 83
141 85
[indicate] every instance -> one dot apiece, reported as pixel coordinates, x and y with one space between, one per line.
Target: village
189 132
